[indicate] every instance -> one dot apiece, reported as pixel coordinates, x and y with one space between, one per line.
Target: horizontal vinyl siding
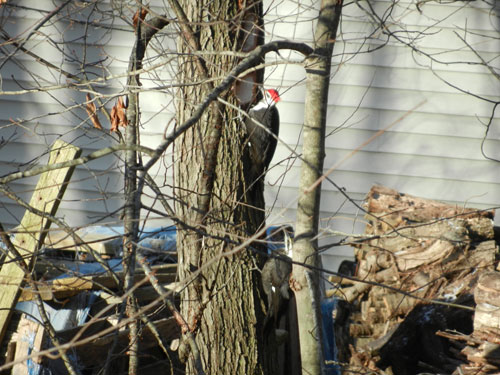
432 151
96 189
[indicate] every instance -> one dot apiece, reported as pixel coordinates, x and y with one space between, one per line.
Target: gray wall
434 151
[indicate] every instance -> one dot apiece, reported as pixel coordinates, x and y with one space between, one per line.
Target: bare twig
357 149
72 163
170 305
41 309
35 29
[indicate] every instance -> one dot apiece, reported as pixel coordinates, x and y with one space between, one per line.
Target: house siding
432 149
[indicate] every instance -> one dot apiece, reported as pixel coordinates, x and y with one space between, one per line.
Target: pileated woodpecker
262 126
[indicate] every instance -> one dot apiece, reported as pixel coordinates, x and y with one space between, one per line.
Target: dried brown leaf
114 120
122 112
118 115
91 111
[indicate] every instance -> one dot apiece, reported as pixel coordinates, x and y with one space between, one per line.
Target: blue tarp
156 243
73 314
328 306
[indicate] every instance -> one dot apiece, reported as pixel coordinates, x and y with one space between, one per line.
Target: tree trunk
304 281
222 301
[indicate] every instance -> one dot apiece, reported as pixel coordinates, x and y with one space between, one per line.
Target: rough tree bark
222 301
304 281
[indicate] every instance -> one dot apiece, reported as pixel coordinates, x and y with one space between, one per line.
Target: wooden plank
33 228
102 244
29 340
70 286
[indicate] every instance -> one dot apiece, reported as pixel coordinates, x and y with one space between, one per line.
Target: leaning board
33 228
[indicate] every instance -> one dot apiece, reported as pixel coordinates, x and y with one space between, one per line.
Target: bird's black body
262 128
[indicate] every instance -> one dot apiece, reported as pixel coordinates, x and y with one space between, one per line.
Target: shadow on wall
432 150
63 52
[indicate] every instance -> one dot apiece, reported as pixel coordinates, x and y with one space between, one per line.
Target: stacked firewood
483 346
417 267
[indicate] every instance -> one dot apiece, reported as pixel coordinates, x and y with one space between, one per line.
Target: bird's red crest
274 95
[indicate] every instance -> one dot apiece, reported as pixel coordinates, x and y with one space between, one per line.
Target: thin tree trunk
132 208
144 33
222 301
304 281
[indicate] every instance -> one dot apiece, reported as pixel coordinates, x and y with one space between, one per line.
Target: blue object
276 237
158 244
73 314
328 306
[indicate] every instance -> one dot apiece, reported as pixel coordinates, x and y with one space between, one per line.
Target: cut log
482 255
374 261
486 316
407 208
488 334
432 252
481 356
488 289
348 294
334 279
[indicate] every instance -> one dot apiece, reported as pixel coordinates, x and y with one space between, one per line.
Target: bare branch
247 63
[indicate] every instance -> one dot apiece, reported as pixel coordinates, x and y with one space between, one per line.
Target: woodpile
410 309
483 347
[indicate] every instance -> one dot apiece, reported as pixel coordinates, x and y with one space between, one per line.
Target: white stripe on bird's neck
265 103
